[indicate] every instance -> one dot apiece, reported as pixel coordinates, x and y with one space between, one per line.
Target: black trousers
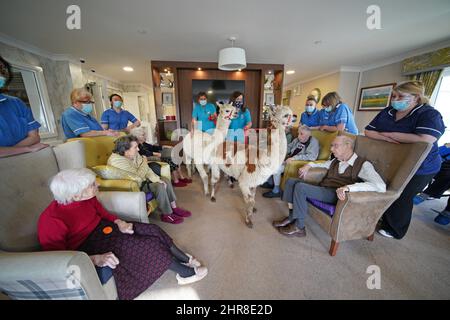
441 181
397 217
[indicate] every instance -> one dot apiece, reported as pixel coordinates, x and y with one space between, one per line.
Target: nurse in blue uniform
116 118
409 119
204 114
336 115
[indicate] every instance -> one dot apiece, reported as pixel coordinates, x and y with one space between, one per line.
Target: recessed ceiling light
290 72
128 69
165 70
199 69
210 91
270 72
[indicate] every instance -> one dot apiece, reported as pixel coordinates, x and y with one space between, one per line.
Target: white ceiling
281 32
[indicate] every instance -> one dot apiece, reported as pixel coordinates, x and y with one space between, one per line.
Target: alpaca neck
278 141
221 130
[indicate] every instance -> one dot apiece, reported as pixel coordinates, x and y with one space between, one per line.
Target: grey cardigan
310 153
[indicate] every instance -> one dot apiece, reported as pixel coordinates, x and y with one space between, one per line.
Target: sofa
26 272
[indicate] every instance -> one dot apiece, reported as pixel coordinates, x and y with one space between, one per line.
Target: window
441 101
28 84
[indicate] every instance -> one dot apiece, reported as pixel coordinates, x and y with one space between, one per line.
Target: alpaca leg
188 163
215 176
204 176
249 204
253 191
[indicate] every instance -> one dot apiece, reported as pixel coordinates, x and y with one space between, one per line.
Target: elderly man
346 173
304 147
77 120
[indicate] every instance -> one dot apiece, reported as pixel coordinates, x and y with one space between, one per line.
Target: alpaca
200 147
252 165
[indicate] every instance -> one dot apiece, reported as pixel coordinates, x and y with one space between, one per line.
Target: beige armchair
26 272
357 216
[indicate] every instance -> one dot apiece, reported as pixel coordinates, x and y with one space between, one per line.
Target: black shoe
267 185
271 194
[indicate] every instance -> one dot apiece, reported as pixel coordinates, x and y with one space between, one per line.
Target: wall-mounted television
217 90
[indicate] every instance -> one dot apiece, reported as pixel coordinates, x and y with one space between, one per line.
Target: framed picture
167 98
376 97
269 99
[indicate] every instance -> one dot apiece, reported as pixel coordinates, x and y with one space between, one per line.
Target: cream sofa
26 272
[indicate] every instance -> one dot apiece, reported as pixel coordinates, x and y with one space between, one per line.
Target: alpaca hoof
213 199
249 223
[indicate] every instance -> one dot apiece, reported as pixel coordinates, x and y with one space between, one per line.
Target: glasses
86 101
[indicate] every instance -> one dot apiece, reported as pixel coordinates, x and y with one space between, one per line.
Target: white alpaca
252 165
199 148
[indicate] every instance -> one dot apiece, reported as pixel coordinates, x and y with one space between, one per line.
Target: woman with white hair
155 153
138 253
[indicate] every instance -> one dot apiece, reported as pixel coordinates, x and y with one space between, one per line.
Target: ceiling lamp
232 59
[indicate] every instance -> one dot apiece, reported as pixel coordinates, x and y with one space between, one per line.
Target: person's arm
30 144
105 126
102 212
135 122
372 180
98 133
105 120
378 136
325 165
409 137
339 127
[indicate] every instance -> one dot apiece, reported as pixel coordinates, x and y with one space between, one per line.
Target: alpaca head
227 111
281 116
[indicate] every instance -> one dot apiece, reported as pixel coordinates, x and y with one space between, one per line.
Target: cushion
44 289
112 173
328 208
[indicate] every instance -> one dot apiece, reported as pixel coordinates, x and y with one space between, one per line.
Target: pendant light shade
232 59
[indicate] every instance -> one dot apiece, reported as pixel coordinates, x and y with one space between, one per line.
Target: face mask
86 107
238 104
400 104
203 102
117 104
310 109
2 81
329 109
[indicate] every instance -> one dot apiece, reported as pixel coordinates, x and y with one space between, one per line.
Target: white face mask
310 109
203 102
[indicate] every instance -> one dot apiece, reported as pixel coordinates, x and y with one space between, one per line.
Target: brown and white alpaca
199 148
253 165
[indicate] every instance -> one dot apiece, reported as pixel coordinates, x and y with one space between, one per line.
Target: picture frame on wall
269 99
167 98
376 97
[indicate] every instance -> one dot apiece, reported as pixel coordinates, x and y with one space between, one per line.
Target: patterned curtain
429 79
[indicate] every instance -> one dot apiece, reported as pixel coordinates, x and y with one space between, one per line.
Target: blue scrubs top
76 122
201 115
342 114
117 120
16 120
236 129
310 120
423 119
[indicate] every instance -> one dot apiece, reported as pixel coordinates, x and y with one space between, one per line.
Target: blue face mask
87 107
329 109
117 104
203 102
400 105
238 104
2 81
310 109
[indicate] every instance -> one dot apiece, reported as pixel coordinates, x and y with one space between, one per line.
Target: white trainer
200 273
386 234
193 262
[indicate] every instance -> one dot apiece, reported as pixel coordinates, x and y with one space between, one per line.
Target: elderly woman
304 147
77 120
153 152
126 157
409 119
138 253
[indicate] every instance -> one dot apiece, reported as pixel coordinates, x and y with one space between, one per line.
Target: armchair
357 216
26 272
